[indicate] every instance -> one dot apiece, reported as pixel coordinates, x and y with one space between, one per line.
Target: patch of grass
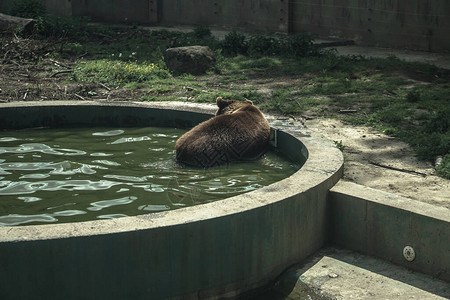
251 95
424 123
291 101
233 78
279 101
152 97
118 73
211 97
162 89
241 64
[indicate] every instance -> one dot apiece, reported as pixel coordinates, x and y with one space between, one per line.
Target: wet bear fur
238 131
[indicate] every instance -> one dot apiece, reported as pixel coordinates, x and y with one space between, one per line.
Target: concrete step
342 274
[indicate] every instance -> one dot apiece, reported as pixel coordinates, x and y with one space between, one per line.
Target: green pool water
74 175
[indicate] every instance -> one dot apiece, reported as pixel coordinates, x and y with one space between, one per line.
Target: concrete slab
441 60
382 224
347 48
342 274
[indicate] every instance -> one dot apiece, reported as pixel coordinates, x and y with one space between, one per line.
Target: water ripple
109 133
87 174
42 148
131 140
16 219
99 205
25 187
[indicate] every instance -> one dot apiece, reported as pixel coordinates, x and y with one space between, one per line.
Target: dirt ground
379 161
27 73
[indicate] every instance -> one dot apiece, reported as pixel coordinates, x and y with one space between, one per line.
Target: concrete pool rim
219 249
325 162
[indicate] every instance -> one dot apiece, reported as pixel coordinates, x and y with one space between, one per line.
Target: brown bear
238 131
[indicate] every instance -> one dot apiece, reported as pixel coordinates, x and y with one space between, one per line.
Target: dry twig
397 169
61 72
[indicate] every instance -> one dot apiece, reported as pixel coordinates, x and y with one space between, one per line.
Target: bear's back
239 132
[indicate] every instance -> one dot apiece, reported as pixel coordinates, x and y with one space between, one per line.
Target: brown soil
27 73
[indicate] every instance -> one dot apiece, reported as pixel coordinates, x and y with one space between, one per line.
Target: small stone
333 275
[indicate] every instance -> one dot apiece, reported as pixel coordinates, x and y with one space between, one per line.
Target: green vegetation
284 74
339 145
118 73
444 168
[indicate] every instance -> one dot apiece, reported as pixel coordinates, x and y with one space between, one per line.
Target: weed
301 45
57 27
234 43
201 32
263 45
443 168
339 145
199 36
413 96
438 122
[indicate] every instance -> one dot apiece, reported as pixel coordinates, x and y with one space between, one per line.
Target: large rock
190 59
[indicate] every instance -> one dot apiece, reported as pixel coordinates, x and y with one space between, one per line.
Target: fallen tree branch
60 64
348 111
397 169
80 97
105 86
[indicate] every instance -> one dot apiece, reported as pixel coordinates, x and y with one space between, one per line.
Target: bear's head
227 107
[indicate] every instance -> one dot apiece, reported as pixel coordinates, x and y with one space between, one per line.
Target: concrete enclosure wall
134 11
56 7
260 15
415 24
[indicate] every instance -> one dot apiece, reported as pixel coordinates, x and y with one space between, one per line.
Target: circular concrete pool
216 250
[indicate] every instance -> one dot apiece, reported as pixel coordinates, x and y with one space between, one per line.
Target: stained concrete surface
334 273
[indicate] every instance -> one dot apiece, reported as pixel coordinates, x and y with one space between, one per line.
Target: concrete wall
254 15
4 5
416 24
59 7
56 7
132 11
382 224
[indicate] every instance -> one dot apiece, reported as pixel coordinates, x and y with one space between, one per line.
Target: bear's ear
249 101
222 103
